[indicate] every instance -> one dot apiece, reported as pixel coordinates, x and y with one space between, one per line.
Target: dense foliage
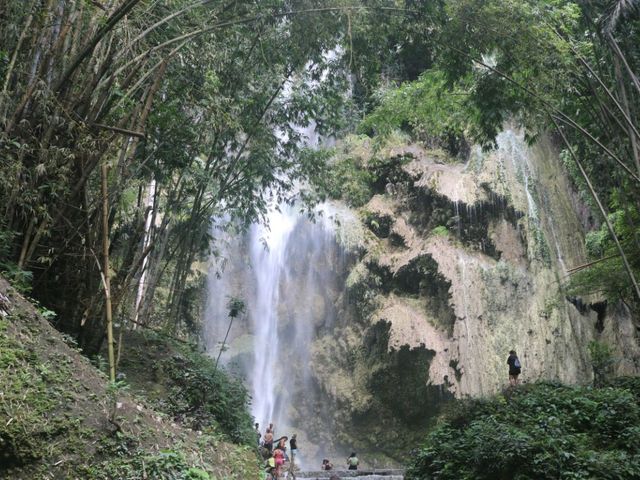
161 116
540 431
189 132
194 108
426 109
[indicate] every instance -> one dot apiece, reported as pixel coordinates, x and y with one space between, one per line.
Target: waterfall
288 273
270 269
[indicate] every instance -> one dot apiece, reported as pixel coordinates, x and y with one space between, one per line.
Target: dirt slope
60 419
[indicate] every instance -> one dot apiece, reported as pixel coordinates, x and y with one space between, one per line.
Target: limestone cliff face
459 264
416 297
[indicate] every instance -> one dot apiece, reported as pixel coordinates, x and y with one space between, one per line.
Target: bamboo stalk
589 264
88 49
12 62
247 20
627 112
595 197
623 59
124 131
107 282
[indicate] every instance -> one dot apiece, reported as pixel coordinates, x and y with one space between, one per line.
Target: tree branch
120 130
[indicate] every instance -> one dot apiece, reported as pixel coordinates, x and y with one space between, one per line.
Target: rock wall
460 263
421 294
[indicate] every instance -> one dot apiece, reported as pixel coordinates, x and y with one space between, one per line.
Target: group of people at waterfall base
275 451
276 457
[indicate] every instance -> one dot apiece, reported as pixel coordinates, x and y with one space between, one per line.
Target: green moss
382 394
56 419
550 304
166 464
440 231
362 287
31 393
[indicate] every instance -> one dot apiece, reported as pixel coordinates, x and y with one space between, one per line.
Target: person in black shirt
514 368
293 443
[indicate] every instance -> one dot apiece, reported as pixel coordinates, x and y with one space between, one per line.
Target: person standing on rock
352 461
514 368
281 444
268 440
258 434
279 457
293 444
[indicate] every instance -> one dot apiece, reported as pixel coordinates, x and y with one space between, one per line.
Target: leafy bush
541 431
350 182
428 108
440 231
356 172
601 360
607 275
20 279
204 396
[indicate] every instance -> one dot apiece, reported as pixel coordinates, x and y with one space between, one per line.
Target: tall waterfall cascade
285 273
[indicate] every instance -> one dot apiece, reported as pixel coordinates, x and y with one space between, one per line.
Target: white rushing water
270 269
286 273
